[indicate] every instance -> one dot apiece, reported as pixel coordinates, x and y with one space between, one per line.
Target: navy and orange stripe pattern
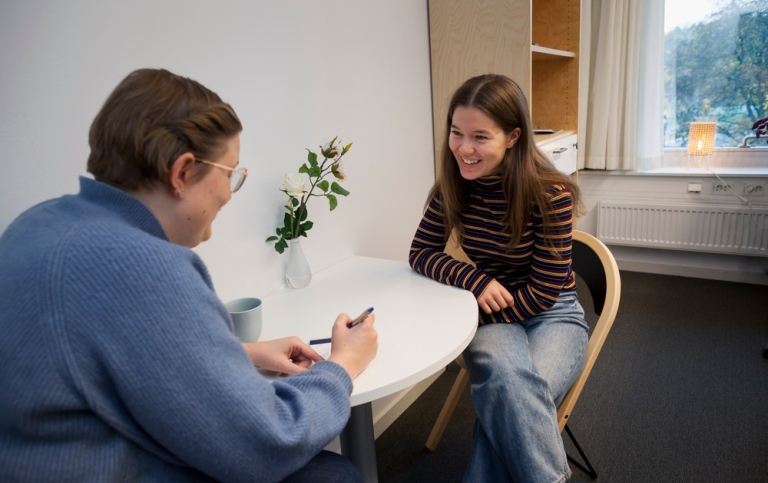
535 271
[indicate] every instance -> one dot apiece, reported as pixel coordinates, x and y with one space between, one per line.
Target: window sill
720 171
678 171
752 162
722 158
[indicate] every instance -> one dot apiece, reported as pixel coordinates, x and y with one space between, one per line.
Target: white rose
293 184
338 170
335 149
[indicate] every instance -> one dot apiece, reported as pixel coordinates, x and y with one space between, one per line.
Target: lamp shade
701 138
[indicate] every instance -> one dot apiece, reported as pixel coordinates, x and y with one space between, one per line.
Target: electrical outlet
754 189
721 188
729 187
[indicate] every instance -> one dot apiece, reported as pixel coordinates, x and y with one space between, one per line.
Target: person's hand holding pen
353 347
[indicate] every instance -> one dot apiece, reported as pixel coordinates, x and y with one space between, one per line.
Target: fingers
300 357
302 351
494 298
353 348
289 355
486 308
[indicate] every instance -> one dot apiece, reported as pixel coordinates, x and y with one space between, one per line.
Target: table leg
358 442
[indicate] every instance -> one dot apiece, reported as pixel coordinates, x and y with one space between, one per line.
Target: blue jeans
520 373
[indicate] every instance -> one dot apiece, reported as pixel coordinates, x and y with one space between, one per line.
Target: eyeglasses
236 175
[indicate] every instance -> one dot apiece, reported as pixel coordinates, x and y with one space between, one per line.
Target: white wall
298 72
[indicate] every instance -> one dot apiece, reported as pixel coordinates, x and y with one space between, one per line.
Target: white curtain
624 116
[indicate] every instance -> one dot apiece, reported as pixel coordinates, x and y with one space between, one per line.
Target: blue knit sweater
118 362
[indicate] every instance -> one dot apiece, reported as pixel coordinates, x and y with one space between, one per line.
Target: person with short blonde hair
117 360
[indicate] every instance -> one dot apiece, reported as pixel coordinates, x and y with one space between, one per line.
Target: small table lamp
701 141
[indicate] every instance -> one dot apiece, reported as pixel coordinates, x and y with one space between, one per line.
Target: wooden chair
595 265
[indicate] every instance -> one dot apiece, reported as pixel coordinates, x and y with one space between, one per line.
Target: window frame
728 156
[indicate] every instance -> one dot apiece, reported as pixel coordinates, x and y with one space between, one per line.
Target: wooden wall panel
469 38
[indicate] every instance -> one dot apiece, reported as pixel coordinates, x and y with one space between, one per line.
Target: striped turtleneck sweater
532 273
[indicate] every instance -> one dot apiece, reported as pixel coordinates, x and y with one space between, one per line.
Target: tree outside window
717 70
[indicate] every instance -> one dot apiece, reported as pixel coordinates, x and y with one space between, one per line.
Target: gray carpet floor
679 393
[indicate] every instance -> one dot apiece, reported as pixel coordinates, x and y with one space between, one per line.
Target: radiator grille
707 228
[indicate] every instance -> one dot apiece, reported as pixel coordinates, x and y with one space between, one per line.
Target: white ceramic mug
246 318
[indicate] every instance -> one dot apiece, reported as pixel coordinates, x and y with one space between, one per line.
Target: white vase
297 272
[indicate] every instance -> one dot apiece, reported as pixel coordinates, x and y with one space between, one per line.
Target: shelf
545 53
546 138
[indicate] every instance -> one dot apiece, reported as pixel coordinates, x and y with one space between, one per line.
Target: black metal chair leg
588 469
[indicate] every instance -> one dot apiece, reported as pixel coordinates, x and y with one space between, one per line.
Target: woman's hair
150 119
525 171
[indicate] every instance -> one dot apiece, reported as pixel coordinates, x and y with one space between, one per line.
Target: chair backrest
595 265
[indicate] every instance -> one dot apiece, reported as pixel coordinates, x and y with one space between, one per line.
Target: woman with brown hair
511 212
117 360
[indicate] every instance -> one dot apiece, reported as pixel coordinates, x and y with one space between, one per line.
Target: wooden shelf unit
534 42
555 64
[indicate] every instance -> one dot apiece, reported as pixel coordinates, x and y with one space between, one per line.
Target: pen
350 324
360 317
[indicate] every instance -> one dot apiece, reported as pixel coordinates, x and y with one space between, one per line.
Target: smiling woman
511 211
201 194
478 143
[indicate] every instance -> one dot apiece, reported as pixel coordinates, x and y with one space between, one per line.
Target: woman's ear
513 137
181 173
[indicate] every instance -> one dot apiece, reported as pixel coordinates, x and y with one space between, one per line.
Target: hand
494 298
353 349
287 356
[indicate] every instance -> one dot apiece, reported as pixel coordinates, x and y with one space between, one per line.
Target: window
715 69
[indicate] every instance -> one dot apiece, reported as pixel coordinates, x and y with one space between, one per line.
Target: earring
180 193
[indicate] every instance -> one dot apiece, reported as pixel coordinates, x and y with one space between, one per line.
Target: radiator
706 228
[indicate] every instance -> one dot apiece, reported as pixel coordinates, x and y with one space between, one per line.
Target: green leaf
306 226
312 158
333 201
336 188
315 171
346 148
280 246
294 201
272 238
304 168
323 185
287 219
303 214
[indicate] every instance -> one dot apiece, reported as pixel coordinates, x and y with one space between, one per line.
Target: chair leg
450 405
588 469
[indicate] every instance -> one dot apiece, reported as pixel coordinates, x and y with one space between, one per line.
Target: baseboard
753 270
